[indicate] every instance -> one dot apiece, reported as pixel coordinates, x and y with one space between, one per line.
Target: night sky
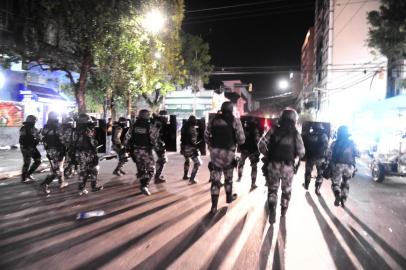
269 33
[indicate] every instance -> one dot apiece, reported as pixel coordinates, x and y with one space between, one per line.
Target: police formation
72 149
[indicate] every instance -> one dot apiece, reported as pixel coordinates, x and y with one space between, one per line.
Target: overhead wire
234 6
351 18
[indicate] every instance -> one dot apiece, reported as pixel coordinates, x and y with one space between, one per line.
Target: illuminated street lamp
283 84
154 21
157 55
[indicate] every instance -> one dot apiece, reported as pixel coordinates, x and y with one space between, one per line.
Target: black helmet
31 119
53 116
343 132
192 120
84 119
163 112
318 126
227 106
144 114
289 115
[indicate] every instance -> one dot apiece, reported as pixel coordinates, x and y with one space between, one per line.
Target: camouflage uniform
86 154
316 147
53 142
189 149
141 140
29 139
68 138
342 156
160 148
223 159
280 171
118 138
250 150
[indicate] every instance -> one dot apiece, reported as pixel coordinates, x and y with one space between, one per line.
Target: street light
283 84
158 55
154 21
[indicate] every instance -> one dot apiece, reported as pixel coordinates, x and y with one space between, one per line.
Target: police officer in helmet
316 144
53 142
120 130
281 145
161 123
86 153
29 138
223 133
189 149
141 140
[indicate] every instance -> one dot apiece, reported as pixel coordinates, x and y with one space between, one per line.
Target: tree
387 33
197 60
62 34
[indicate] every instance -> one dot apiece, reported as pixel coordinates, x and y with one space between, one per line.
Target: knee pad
215 189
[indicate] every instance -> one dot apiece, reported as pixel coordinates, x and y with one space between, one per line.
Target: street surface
172 228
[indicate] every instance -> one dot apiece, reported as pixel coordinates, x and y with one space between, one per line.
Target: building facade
347 74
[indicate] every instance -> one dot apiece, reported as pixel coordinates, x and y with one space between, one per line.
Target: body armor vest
223 134
51 136
315 147
343 152
282 146
26 136
140 134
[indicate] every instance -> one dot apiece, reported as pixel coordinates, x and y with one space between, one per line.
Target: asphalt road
172 228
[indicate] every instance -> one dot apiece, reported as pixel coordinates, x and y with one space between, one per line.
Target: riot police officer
29 138
53 142
86 153
250 150
141 140
189 149
68 136
119 133
223 133
282 145
342 157
316 143
161 123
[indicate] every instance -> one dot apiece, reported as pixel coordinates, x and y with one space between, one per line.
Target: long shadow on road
109 256
366 255
279 256
338 254
390 250
57 248
166 255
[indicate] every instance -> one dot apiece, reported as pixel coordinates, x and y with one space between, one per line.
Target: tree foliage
387 34
196 54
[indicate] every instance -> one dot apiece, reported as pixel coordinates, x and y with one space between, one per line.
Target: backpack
343 152
282 146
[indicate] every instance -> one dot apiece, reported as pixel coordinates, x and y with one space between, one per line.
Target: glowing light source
154 21
2 80
283 84
158 55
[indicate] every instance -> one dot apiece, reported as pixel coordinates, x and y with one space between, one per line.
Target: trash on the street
90 214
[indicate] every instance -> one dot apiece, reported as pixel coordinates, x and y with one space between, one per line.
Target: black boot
145 190
185 177
230 197
343 200
253 185
337 200
95 187
193 178
306 184
159 180
317 189
45 188
272 213
214 202
283 211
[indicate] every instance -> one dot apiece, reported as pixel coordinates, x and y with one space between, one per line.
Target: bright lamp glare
154 21
283 84
2 80
158 55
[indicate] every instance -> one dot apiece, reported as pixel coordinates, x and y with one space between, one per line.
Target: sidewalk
11 162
